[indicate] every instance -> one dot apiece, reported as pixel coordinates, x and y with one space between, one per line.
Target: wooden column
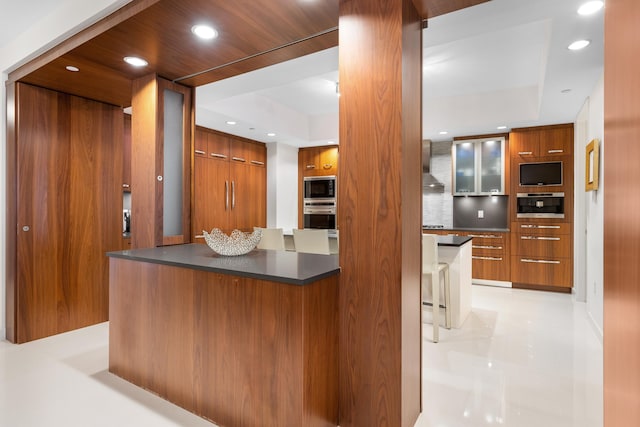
621 219
380 200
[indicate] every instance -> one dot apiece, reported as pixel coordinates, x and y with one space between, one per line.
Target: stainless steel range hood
430 183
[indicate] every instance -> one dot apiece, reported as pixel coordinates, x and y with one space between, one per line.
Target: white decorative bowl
238 243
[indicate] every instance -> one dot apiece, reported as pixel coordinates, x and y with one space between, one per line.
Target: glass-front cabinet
478 166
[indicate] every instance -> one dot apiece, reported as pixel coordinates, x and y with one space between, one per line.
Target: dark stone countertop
453 240
276 266
479 230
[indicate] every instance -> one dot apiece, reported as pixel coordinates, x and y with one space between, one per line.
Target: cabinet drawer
550 271
532 228
490 267
541 245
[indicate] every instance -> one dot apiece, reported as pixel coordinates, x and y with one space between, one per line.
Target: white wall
282 186
590 210
69 17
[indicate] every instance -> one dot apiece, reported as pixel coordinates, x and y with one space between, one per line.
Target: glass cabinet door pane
465 168
491 161
173 131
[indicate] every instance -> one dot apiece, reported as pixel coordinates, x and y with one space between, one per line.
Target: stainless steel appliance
320 187
540 205
320 213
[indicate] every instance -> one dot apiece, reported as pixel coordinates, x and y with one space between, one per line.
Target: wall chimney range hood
430 183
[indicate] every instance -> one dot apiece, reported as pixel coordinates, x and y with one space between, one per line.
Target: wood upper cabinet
546 141
318 161
230 183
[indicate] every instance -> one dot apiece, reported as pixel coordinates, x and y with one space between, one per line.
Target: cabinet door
218 147
200 142
465 168
248 196
328 161
309 162
492 166
256 154
524 144
556 141
217 192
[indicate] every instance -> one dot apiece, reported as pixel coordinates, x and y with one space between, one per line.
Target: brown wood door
217 193
69 210
523 145
556 141
329 161
248 201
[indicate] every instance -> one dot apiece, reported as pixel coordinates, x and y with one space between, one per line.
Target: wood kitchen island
241 341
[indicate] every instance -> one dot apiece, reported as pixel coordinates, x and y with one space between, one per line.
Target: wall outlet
480 213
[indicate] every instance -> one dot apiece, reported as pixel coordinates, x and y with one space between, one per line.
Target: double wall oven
319 202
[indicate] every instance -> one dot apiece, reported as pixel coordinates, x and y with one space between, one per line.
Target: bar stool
431 270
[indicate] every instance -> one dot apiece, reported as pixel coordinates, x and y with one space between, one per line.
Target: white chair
311 241
431 270
272 238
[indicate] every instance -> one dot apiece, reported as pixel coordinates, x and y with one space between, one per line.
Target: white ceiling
504 62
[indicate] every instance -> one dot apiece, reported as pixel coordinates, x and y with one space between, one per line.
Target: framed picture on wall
592 166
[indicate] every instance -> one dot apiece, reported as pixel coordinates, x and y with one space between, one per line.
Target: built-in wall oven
320 213
540 205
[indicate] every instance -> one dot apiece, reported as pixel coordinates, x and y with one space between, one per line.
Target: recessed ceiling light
331 142
579 44
72 68
271 134
501 127
135 61
204 32
565 91
231 122
444 132
590 7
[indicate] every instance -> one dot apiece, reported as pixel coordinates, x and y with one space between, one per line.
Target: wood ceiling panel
432 8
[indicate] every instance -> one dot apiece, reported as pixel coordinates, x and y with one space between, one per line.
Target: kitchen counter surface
455 241
277 266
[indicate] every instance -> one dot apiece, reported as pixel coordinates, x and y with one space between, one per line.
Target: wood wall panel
380 227
621 221
237 351
68 169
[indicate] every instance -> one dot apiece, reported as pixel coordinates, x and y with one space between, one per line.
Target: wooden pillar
621 219
380 200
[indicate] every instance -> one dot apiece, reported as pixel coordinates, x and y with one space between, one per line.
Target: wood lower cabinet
490 256
542 255
230 183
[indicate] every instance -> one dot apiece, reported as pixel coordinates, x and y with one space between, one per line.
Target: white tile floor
522 359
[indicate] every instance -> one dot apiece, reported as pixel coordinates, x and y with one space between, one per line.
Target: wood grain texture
433 8
255 352
621 221
379 218
68 169
147 128
249 38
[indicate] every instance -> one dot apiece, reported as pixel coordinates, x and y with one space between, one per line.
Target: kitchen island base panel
235 350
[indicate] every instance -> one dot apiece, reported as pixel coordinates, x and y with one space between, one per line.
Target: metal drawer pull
327 165
539 261
486 258
522 153
200 152
311 166
539 226
233 194
200 236
126 186
555 151
238 159
486 247
485 236
255 162
538 238
218 156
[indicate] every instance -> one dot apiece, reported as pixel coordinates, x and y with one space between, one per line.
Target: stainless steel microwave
320 187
